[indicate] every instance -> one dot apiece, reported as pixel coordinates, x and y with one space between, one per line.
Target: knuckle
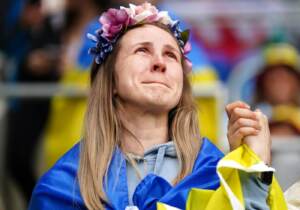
240 122
236 111
240 131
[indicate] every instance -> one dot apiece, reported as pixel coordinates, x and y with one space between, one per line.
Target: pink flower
113 21
187 48
187 63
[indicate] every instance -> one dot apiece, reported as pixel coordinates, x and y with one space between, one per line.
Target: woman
141 131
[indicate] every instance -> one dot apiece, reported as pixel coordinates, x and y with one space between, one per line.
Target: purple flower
103 47
113 22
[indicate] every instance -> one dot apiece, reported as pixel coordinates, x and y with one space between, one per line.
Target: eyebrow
168 46
142 43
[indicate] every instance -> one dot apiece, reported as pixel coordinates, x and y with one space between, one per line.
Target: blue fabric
84 60
59 189
116 183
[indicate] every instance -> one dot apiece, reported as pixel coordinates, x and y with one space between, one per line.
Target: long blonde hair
103 127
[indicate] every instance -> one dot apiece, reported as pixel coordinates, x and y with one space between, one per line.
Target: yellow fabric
64 127
281 53
208 117
207 105
203 75
162 206
229 195
286 113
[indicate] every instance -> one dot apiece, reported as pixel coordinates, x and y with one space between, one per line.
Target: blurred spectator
66 117
278 88
35 60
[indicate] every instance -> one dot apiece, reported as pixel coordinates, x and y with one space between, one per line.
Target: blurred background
242 50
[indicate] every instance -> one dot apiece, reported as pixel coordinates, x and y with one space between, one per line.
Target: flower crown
116 21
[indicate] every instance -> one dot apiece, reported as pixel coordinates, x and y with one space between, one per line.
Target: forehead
148 33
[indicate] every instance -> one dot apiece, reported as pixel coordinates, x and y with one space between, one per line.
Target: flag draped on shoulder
230 194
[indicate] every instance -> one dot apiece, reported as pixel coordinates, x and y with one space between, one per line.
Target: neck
142 130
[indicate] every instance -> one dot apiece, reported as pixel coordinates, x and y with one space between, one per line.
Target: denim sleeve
255 192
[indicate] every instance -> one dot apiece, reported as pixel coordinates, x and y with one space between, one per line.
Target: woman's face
148 70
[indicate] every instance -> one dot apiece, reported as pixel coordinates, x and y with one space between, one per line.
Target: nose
158 64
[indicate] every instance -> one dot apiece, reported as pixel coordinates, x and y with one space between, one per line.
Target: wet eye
171 55
142 49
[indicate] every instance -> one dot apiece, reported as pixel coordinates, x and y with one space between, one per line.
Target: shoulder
58 188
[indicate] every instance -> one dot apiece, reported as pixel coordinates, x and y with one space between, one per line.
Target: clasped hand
248 127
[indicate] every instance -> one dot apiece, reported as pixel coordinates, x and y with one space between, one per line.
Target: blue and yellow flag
230 195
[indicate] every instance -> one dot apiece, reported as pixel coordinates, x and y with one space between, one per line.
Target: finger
242 113
244 122
230 107
263 120
236 138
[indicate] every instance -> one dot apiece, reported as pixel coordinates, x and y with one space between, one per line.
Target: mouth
156 83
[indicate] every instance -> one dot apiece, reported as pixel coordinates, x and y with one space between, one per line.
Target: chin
161 104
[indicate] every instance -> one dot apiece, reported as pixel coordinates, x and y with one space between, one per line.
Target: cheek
126 77
124 84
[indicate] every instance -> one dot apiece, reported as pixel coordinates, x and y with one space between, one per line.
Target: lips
156 82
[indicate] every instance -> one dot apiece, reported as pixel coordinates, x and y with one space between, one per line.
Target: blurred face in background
73 9
280 86
73 4
32 15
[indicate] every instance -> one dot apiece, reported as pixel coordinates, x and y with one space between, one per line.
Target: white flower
130 11
142 16
164 18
